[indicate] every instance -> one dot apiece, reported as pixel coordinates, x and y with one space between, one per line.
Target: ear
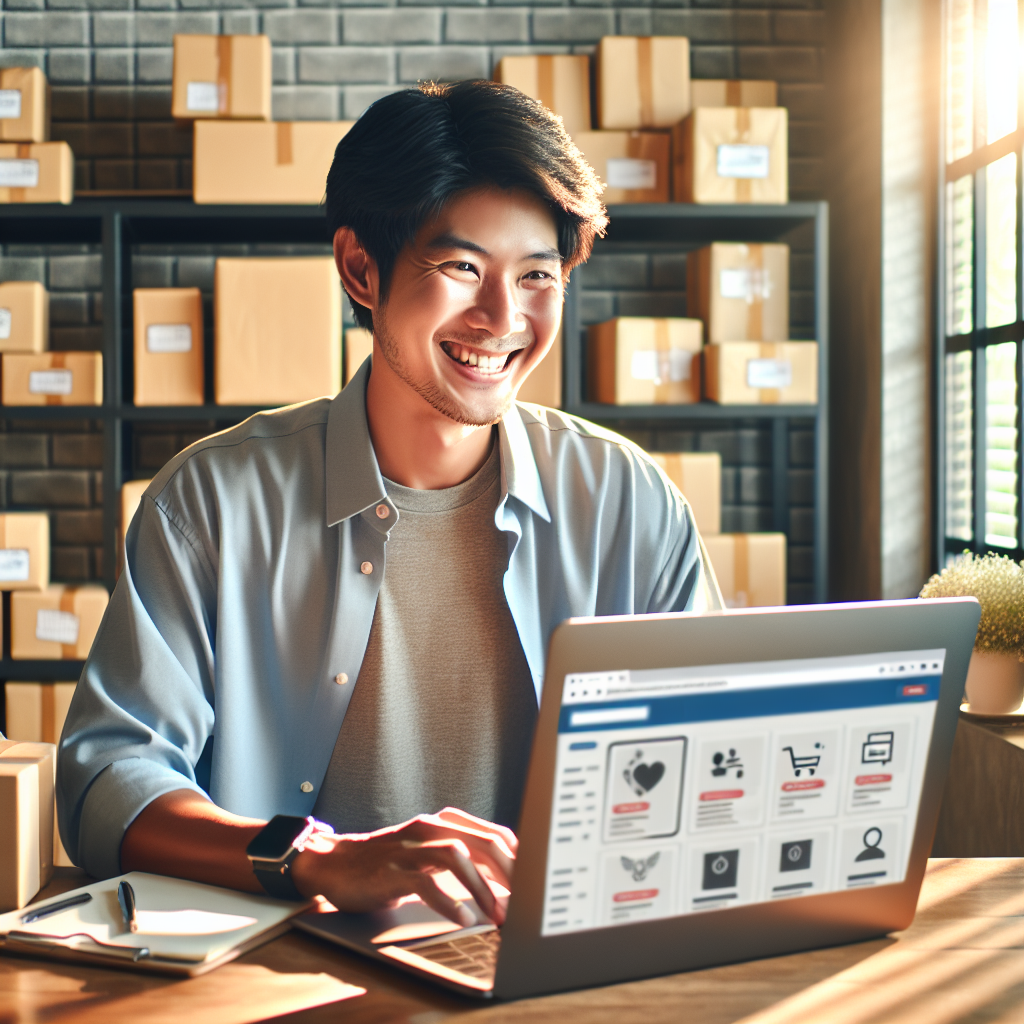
357 269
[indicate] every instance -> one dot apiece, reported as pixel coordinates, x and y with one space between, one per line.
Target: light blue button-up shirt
251 576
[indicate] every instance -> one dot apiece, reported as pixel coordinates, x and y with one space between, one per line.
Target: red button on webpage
721 794
915 690
636 894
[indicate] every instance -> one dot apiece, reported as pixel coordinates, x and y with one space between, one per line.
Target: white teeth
473 359
488 364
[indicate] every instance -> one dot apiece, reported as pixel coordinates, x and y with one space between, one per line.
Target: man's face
474 304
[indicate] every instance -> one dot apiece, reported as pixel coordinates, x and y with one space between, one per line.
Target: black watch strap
276 879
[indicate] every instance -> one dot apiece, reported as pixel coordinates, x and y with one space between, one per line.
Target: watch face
276 838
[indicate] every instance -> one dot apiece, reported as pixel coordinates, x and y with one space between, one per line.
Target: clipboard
184 928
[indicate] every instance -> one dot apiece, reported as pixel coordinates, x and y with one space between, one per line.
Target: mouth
486 364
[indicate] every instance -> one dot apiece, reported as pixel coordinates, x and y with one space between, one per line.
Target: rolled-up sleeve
143 712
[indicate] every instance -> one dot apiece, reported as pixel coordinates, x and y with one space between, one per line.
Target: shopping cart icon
804 764
877 749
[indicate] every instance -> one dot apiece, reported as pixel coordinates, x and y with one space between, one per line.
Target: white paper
674 365
57 627
747 283
5 324
742 161
169 338
50 382
769 373
10 103
14 565
19 173
202 97
624 172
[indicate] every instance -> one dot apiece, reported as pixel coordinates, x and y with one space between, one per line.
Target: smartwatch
275 846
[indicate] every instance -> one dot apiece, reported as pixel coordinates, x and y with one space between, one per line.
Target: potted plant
995 679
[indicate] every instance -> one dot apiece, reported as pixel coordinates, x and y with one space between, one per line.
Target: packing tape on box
646 71
770 396
57 362
663 347
546 80
49 715
67 605
223 75
756 293
285 153
733 93
743 133
741 570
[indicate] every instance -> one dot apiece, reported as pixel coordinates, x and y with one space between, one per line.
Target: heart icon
647 776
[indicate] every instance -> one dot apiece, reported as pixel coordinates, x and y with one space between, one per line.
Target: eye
462 265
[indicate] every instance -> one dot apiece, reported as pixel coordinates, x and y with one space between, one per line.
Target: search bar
610 716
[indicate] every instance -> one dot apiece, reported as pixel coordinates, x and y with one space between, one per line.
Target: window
982 323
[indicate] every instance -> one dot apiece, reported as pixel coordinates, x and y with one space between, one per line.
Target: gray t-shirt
444 706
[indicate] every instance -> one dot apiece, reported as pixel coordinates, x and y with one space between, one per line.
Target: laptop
706 789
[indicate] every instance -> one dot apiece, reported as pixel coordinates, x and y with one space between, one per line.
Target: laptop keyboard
475 955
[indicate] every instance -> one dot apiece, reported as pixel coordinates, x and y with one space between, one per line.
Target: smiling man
338 612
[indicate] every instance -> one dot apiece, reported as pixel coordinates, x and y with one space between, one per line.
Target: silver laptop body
706 789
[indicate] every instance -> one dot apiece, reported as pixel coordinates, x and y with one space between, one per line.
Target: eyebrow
446 240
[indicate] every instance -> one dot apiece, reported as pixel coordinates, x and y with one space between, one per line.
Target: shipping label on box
732 92
698 475
27 776
761 373
39 172
635 360
642 81
53 378
24 551
561 82
634 165
740 291
59 622
750 567
168 346
24 105
221 76
278 330
732 155
24 317
253 162
544 385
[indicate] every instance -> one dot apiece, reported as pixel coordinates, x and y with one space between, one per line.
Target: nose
496 309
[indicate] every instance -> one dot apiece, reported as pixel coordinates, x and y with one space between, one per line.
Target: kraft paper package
36 714
634 165
57 623
732 92
699 476
642 81
761 372
358 348
751 568
24 105
740 290
36 172
168 346
258 162
24 551
131 497
24 317
278 330
53 378
27 778
221 76
731 155
639 360
560 81
544 385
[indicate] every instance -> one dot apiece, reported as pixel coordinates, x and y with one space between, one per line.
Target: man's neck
417 446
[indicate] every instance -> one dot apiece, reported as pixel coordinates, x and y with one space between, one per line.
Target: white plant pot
995 683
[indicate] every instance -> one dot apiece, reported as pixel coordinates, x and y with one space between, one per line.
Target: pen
56 908
126 897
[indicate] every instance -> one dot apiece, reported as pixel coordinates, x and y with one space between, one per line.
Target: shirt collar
354 481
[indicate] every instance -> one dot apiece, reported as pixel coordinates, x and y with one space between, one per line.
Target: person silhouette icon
871 850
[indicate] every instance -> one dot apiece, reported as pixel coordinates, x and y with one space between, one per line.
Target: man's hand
376 869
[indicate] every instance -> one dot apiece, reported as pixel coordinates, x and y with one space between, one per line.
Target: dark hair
415 150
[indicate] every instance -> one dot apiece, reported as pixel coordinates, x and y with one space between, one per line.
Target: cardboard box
639 360
560 81
358 348
278 330
732 92
55 623
36 714
24 317
24 105
544 385
131 497
740 291
168 346
254 162
634 165
36 172
642 81
24 551
698 475
761 372
53 378
732 155
750 567
27 778
221 76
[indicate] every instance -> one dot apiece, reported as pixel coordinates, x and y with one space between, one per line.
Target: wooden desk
961 961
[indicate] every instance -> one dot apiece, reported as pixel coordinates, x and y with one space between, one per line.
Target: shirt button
341 678
383 511
366 568
306 787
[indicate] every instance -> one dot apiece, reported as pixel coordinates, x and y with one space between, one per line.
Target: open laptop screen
692 789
